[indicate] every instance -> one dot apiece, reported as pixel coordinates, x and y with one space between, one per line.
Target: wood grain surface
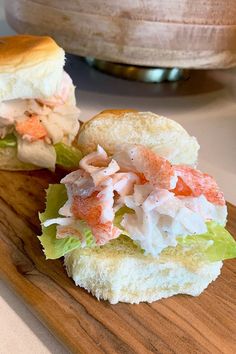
181 324
173 33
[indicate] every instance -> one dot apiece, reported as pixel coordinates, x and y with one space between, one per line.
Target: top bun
30 67
166 137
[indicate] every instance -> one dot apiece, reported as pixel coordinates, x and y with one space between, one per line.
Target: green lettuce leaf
53 247
216 244
67 156
8 141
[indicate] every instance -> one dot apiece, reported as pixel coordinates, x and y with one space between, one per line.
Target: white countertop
205 105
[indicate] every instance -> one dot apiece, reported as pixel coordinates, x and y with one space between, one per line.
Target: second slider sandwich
38 114
137 221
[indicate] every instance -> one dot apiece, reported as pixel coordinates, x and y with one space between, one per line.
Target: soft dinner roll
119 271
146 262
30 67
117 127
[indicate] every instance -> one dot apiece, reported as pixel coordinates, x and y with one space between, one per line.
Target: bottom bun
119 271
10 162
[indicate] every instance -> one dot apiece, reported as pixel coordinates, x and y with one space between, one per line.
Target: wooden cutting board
173 33
181 324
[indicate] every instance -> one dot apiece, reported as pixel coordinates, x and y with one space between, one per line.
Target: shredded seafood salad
138 194
42 130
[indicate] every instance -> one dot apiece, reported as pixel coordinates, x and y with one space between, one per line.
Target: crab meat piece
193 183
155 169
